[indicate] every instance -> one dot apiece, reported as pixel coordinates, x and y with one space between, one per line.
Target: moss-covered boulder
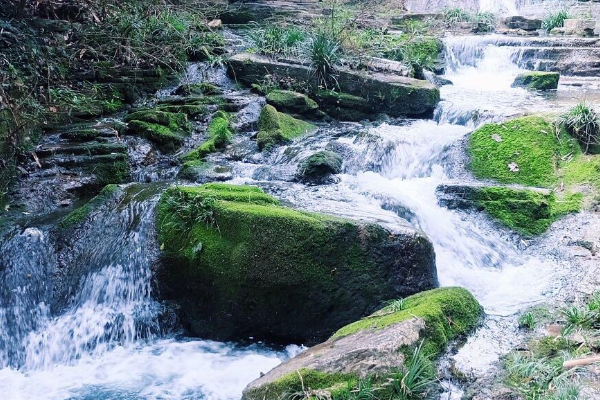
294 103
166 129
529 212
219 135
202 172
320 166
524 150
373 348
277 128
537 80
241 265
80 214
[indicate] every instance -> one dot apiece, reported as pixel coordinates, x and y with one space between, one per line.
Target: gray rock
526 24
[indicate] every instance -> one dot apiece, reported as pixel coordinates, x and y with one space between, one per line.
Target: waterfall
501 7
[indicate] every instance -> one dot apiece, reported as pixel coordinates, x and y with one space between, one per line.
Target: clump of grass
457 15
579 317
486 20
277 40
583 122
416 378
555 20
323 50
528 321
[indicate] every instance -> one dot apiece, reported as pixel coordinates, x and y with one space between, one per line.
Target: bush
583 122
528 321
555 20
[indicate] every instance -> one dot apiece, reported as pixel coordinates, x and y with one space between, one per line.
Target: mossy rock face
523 151
525 211
80 214
166 129
293 103
537 80
320 166
190 89
374 347
277 128
202 172
240 265
345 107
219 132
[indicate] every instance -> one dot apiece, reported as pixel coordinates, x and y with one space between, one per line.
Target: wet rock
523 23
344 106
384 92
536 80
436 80
320 166
581 27
203 172
241 265
219 135
370 347
276 128
197 89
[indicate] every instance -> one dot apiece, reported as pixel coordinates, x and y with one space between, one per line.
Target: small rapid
108 342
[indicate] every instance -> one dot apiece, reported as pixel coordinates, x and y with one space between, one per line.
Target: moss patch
292 102
304 380
526 211
191 89
80 214
219 132
524 151
166 129
448 313
537 80
276 128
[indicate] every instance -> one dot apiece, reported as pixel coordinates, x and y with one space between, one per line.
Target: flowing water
110 342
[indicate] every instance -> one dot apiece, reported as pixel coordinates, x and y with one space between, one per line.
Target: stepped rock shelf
240 265
374 92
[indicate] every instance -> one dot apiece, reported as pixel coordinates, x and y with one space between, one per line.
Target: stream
110 341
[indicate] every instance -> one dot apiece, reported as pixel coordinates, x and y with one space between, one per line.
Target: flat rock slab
387 93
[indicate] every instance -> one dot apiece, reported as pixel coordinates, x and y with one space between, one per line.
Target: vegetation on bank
547 369
555 19
64 61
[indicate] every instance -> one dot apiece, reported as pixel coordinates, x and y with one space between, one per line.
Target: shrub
416 377
583 123
324 52
555 20
486 21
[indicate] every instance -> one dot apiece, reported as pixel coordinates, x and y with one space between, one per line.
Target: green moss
159 134
448 313
550 346
276 128
537 80
523 151
582 170
177 122
115 170
219 132
320 165
193 111
292 102
80 214
526 211
301 381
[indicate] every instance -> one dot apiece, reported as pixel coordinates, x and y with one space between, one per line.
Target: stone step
78 149
82 161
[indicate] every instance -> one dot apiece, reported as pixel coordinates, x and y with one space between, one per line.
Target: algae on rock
277 128
219 132
239 265
536 80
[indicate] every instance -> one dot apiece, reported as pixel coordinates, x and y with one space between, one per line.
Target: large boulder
240 265
536 80
386 93
373 348
519 22
320 166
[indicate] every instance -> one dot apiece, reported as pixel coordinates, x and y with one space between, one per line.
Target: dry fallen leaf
497 137
513 167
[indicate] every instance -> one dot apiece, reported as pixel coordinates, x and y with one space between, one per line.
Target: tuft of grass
323 51
416 378
274 40
555 20
583 122
579 317
528 321
456 15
